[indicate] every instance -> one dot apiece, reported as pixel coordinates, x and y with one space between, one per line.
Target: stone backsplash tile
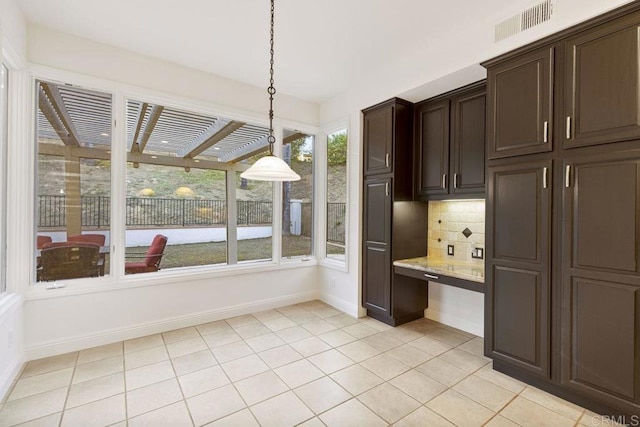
447 220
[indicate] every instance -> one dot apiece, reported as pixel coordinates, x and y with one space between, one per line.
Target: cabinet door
601 279
602 93
378 140
517 307
433 148
376 273
468 147
520 105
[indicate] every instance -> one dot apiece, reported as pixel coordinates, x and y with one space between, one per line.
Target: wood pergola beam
215 133
246 151
160 160
56 114
154 116
141 113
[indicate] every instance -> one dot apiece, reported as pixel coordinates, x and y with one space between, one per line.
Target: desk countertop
471 271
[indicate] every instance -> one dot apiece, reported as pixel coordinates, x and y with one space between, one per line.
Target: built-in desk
466 275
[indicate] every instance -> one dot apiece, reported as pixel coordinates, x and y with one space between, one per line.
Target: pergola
75 123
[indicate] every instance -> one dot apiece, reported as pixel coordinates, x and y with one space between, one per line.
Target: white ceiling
322 46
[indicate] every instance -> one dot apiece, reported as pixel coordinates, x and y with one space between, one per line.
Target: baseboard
9 375
56 347
455 322
342 305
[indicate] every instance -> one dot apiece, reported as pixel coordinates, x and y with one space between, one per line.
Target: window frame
327 130
121 92
4 151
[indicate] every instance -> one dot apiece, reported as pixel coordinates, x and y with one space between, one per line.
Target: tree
337 149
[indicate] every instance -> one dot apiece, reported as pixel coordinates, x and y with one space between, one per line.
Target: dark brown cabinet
391 230
377 245
563 251
450 132
517 295
520 105
601 278
602 78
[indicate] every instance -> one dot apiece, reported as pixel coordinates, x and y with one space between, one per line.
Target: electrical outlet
477 253
450 250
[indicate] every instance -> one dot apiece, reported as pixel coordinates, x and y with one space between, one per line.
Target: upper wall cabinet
388 144
450 132
602 97
520 103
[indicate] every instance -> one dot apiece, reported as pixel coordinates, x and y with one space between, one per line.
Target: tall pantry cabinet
392 222
562 295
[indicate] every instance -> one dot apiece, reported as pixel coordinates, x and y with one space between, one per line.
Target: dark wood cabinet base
409 297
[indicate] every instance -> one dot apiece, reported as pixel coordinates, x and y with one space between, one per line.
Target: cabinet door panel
377 204
605 217
602 93
433 147
602 352
517 295
520 317
600 282
376 273
517 214
378 137
519 103
468 147
377 278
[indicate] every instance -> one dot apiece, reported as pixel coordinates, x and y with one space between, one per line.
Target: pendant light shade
270 168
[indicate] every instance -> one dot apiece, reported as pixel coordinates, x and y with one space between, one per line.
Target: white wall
61 321
66 52
427 70
11 340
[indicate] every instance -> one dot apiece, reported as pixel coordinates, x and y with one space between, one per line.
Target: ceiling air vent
524 20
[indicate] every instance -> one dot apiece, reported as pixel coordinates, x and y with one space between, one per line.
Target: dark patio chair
42 240
69 261
152 257
99 239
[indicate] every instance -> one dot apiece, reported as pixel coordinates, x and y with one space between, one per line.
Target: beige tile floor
306 364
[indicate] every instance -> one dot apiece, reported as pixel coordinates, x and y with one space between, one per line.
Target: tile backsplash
447 221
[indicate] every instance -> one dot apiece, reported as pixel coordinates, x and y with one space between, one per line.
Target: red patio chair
88 238
42 240
151 259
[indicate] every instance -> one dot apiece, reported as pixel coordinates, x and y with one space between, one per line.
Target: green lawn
192 254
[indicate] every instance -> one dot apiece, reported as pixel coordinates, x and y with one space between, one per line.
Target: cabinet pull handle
386 159
455 180
568 127
546 132
431 276
567 176
444 180
545 182
386 188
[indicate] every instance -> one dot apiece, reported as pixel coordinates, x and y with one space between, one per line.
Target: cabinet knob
455 180
545 132
567 176
444 180
431 276
545 182
568 127
386 188
387 158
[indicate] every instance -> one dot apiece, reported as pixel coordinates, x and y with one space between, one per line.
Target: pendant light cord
271 89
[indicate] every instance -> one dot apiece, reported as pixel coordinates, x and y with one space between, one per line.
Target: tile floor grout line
66 398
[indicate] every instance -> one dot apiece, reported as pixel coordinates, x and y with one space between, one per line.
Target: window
4 114
73 184
297 196
336 194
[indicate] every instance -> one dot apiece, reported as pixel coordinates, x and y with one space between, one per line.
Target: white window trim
116 279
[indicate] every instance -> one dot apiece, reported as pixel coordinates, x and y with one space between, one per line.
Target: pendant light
270 167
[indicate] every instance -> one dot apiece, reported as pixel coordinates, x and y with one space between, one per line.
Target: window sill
163 277
334 264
